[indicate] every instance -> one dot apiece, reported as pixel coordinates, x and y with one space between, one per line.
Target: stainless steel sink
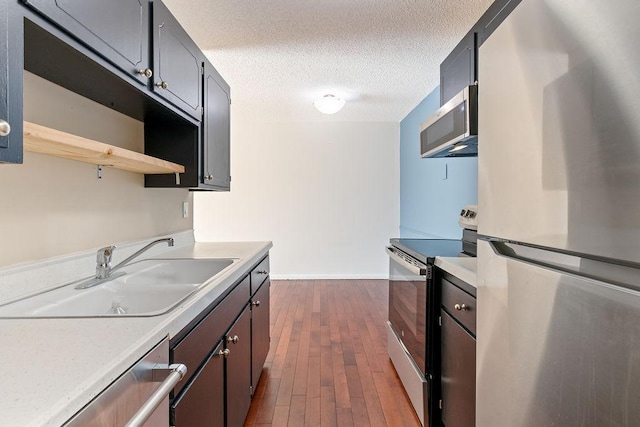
149 288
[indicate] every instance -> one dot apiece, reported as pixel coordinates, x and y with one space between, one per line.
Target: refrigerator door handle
608 271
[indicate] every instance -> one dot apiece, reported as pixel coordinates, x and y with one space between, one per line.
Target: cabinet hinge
429 272
202 112
440 403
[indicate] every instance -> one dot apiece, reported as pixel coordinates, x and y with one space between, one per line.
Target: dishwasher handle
407 262
176 373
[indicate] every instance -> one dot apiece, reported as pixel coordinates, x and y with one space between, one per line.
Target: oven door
408 304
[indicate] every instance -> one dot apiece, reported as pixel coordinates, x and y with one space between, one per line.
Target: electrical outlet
185 209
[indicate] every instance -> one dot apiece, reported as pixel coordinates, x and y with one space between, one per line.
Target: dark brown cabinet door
239 369
260 337
458 379
458 70
11 44
201 402
216 139
177 63
116 29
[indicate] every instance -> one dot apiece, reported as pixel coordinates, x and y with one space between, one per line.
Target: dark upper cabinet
206 156
118 30
458 70
177 63
216 140
495 14
10 83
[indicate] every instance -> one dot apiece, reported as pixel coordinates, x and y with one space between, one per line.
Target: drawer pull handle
461 307
262 272
224 353
233 339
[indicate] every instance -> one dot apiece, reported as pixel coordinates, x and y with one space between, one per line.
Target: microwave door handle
412 268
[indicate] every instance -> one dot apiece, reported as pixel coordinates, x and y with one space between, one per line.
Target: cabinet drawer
259 274
198 343
460 305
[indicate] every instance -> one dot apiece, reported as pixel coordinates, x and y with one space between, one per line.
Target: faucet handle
103 256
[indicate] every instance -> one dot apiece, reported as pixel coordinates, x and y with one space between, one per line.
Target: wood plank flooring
328 363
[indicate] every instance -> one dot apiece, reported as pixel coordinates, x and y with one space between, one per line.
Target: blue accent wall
432 191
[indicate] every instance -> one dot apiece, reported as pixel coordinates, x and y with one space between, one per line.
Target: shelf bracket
99 171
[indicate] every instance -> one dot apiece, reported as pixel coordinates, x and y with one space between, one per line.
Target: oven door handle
411 267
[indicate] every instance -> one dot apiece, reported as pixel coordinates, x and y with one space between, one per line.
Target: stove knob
463 212
472 214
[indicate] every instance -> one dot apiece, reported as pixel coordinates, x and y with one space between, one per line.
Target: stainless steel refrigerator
559 201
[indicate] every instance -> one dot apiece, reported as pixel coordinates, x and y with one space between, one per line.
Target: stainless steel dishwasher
139 397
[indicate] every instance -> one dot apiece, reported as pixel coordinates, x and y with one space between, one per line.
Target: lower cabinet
458 353
224 350
260 339
239 369
202 402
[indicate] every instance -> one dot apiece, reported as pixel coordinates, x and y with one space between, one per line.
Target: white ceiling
382 56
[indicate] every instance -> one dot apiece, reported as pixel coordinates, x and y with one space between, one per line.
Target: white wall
51 206
325 193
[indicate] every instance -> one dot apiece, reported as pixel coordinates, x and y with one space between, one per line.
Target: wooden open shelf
44 140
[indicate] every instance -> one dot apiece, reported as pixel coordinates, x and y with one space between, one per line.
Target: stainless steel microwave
452 131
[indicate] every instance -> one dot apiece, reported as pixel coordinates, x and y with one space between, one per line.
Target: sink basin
148 288
172 271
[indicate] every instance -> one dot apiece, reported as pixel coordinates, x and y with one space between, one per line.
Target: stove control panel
469 217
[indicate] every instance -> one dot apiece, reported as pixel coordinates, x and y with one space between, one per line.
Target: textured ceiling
382 56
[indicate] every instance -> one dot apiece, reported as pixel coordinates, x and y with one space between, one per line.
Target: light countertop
464 268
51 368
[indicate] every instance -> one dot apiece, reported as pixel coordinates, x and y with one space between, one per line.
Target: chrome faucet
104 270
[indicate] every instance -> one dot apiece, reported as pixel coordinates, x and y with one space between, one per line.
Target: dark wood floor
328 364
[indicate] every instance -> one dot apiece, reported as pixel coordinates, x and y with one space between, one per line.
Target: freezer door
555 348
559 127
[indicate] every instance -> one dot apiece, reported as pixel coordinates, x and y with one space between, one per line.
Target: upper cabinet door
458 70
178 63
10 83
216 138
116 29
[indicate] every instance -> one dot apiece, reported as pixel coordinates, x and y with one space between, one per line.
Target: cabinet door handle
208 177
5 129
162 84
262 272
461 307
233 339
146 72
255 303
224 353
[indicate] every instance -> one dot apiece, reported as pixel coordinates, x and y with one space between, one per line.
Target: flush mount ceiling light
328 104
